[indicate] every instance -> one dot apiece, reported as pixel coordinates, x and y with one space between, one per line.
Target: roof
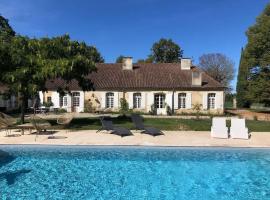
145 76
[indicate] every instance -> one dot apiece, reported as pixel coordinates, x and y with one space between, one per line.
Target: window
63 101
49 99
211 101
159 100
109 100
182 100
137 100
76 99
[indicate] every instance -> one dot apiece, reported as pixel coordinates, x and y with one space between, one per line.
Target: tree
166 51
6 35
150 59
218 66
257 59
34 61
6 30
242 82
259 86
119 59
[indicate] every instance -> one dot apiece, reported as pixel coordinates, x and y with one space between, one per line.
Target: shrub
124 108
48 104
88 107
197 109
153 110
168 110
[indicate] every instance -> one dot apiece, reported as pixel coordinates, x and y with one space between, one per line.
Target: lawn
162 123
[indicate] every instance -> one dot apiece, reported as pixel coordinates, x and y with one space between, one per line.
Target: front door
160 104
75 101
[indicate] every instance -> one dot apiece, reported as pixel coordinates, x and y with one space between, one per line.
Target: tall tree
242 82
119 59
6 35
6 30
150 59
33 61
166 51
258 59
218 66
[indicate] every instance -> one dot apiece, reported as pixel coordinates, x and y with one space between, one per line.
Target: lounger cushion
121 131
152 131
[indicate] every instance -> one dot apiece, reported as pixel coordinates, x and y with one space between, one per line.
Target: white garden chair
238 129
219 128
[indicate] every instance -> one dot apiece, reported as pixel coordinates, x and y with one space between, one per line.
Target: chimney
127 63
196 78
186 63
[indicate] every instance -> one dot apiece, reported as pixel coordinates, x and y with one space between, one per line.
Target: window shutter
130 100
103 100
143 100
81 101
115 100
168 99
55 99
40 97
176 100
205 101
218 101
188 101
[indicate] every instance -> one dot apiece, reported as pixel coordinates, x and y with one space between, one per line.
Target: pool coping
126 146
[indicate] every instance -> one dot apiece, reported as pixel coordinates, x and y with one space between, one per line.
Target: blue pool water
134 173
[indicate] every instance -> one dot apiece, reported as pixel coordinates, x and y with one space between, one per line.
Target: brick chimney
127 63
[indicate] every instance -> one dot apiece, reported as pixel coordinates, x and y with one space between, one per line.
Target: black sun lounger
139 125
107 125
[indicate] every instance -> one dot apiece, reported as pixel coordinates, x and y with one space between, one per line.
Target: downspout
173 102
172 94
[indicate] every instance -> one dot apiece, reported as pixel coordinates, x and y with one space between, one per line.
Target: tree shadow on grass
11 177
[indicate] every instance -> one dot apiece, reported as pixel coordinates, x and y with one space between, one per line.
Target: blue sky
130 27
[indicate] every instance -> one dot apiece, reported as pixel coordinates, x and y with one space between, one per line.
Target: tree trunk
23 105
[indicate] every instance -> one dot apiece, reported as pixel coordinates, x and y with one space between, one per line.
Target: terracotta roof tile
146 76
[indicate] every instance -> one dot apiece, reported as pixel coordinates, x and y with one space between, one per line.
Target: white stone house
145 86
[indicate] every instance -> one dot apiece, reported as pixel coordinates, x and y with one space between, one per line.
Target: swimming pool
28 172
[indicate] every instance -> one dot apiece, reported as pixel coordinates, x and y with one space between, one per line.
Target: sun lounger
41 126
238 129
107 125
139 125
219 128
7 123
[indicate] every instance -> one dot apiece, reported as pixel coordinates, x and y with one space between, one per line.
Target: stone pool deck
171 138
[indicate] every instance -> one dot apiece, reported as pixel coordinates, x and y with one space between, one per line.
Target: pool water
28 172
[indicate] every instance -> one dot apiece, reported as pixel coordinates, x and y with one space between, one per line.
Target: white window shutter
130 100
205 101
103 100
55 99
168 99
189 100
116 102
217 101
143 100
176 100
40 96
81 101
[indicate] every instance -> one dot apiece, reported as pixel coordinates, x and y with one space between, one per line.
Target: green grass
162 123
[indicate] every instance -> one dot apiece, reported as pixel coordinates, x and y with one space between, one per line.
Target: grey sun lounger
107 125
139 125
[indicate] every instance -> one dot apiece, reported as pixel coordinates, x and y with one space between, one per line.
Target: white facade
145 101
9 104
